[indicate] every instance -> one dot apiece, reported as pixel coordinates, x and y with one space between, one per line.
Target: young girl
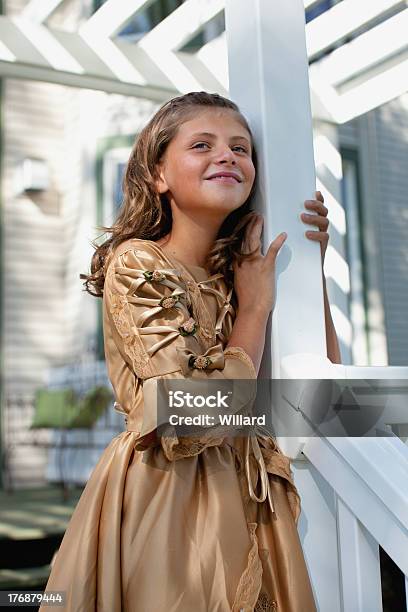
181 524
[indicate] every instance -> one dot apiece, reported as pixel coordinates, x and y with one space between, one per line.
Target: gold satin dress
188 524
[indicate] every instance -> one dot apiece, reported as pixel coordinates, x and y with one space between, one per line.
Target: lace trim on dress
265 604
239 353
250 582
132 344
178 448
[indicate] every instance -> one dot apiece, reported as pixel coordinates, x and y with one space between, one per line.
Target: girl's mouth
225 179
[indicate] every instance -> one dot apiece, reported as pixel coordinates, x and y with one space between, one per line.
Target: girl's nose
225 153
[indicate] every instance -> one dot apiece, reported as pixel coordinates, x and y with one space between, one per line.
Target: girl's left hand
320 220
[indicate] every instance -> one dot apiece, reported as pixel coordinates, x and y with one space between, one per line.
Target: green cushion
63 408
92 406
54 408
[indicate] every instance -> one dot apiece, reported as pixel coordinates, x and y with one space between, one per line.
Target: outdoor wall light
33 175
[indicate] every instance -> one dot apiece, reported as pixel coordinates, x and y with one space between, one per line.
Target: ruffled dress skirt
185 526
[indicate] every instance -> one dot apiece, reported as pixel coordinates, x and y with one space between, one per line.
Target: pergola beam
111 11
368 50
383 83
352 80
387 84
38 11
45 75
111 17
39 50
20 58
181 25
344 19
163 41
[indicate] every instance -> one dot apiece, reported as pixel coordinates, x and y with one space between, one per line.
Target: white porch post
268 78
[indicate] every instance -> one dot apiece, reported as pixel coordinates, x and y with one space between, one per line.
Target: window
113 154
351 197
113 168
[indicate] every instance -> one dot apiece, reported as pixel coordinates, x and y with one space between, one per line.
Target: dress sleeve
156 332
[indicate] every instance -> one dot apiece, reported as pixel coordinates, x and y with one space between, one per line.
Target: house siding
381 138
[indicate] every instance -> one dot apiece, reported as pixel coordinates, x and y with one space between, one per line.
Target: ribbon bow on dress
212 359
270 460
251 443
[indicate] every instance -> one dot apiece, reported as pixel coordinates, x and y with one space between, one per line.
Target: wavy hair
146 214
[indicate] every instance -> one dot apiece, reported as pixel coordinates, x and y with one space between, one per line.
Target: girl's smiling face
213 142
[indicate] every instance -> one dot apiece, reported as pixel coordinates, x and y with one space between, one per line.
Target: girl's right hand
254 279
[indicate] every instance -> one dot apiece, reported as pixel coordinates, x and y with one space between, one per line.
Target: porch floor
32 524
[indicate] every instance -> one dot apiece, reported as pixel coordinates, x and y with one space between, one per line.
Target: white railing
369 482
354 490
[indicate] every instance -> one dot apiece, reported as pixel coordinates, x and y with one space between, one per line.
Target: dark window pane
117 188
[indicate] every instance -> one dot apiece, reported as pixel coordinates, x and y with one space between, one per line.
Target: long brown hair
146 214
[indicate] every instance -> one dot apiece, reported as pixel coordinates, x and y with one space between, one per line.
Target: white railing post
359 563
272 90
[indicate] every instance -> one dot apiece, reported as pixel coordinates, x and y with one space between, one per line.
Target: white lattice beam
367 50
181 25
111 17
372 64
214 56
33 51
39 10
342 20
53 52
162 42
385 84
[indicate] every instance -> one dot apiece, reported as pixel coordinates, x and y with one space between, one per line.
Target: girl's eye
243 149
200 144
